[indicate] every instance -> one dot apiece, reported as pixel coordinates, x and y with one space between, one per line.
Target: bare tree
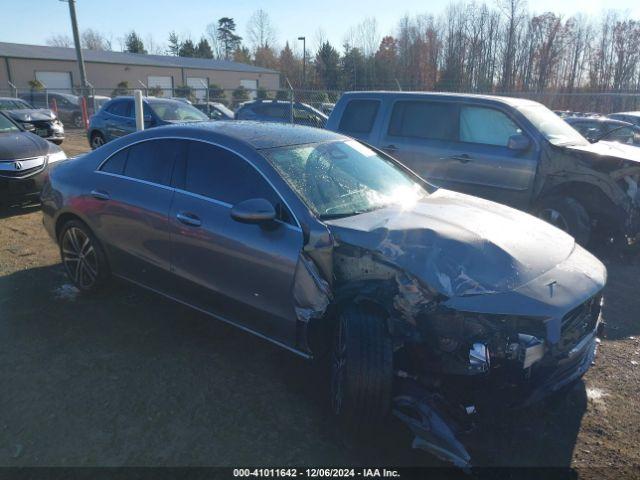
260 31
59 40
94 40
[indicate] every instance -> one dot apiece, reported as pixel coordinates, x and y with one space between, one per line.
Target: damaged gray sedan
420 297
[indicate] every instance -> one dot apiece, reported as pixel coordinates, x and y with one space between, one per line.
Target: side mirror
254 210
29 127
518 142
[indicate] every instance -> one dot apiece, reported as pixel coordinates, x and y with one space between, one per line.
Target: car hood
31 114
609 149
19 145
457 244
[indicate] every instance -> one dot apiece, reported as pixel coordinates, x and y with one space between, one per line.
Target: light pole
76 40
304 60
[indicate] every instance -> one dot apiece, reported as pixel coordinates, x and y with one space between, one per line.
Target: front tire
77 121
361 370
567 214
83 258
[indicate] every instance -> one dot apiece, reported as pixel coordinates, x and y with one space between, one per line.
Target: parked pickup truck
509 150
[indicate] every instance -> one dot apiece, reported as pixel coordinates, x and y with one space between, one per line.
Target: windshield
7 126
177 111
554 128
343 178
13 105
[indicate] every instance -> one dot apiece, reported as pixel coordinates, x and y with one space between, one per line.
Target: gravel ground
128 378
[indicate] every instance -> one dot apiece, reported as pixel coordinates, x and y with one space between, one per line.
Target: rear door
132 195
241 272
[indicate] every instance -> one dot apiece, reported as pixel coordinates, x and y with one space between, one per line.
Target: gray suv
509 150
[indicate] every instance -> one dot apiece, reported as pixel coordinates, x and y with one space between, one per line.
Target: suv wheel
97 140
567 214
361 370
83 257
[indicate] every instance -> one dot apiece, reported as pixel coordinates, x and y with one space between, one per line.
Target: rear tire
567 214
361 370
77 121
83 257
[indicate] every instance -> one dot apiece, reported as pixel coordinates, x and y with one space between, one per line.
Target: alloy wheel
79 258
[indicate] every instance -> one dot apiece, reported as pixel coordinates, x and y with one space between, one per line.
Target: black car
41 121
631 117
67 105
606 129
425 300
281 112
24 160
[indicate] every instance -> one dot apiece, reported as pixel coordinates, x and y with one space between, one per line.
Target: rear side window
428 120
222 175
487 126
358 116
116 163
119 108
153 161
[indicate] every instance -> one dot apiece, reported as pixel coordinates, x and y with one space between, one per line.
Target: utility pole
304 61
76 41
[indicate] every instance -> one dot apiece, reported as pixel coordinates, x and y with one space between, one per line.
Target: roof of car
633 114
261 135
513 101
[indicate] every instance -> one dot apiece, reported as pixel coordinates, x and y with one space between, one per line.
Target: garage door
165 83
199 85
55 81
251 85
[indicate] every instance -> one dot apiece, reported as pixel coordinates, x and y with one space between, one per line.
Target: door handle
189 219
100 194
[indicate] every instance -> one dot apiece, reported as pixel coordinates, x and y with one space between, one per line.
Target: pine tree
174 44
327 66
133 43
203 49
187 49
229 41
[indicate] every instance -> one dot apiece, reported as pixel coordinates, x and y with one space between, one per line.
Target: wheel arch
598 204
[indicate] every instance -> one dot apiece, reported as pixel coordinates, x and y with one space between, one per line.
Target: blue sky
34 21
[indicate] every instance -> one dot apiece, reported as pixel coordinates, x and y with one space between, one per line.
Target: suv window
274 111
120 108
222 175
153 160
358 116
487 126
428 120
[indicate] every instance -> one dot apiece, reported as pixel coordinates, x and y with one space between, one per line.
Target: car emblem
18 165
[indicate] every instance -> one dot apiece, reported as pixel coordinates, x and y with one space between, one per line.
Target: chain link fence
298 106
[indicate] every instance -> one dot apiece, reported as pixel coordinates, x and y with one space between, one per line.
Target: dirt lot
128 378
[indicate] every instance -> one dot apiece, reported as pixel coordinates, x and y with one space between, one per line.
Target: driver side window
221 175
486 126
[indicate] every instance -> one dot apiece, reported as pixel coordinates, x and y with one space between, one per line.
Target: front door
461 147
241 272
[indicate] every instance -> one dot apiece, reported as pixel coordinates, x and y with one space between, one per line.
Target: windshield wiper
334 216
